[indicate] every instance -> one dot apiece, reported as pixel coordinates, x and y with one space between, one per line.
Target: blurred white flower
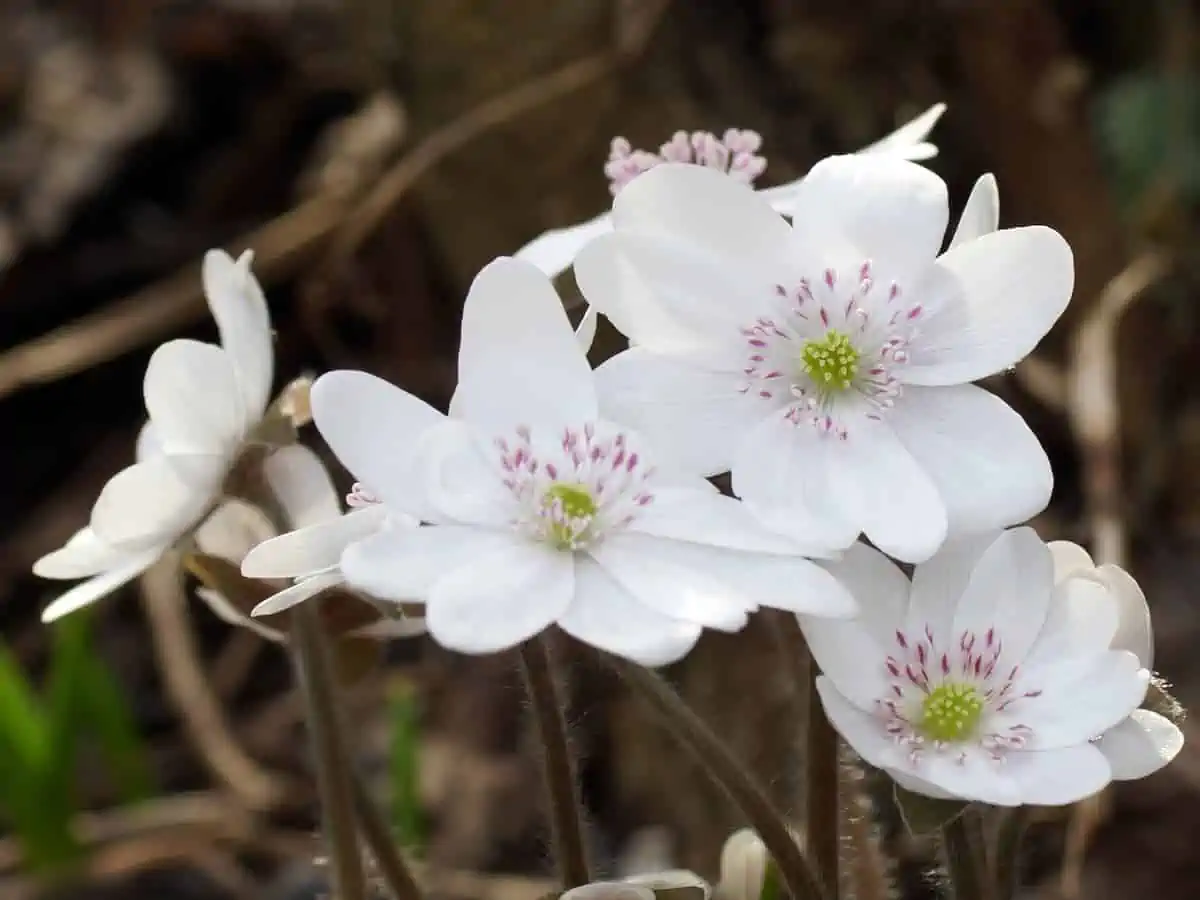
827 362
990 676
1146 741
203 400
540 511
734 154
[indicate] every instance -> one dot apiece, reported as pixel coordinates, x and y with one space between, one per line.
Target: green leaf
405 766
925 815
21 717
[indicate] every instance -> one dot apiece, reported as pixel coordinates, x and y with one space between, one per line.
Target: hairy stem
1008 853
729 773
966 877
561 785
334 781
388 858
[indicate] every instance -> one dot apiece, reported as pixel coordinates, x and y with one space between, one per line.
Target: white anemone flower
827 362
541 512
990 677
203 400
1146 741
735 153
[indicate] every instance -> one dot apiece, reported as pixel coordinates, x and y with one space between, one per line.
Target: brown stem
334 782
729 773
561 785
389 860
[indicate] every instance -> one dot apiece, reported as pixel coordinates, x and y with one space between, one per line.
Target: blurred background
375 154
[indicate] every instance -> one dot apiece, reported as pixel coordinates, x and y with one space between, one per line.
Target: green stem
334 781
1008 853
729 773
388 859
562 787
961 863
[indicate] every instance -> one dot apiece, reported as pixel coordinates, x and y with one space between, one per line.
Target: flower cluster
815 341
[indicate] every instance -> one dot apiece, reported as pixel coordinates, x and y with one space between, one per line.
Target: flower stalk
562 788
334 781
967 878
717 759
388 859
1010 836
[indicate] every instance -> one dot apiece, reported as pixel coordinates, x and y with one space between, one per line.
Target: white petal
893 211
374 427
970 776
859 729
693 414
1058 777
156 501
785 475
1140 745
851 656
991 300
1069 558
403 564
981 215
1082 620
1010 590
717 577
886 493
989 468
93 589
606 615
297 593
908 141
193 399
314 548
939 583
585 331
879 587
647 568
637 307
918 785
244 323
553 251
705 208
232 529
608 890
302 486
148 443
1134 631
1080 699
461 477
220 607
83 555
519 361
499 599
713 519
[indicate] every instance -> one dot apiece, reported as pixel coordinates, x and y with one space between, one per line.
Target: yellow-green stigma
951 712
831 362
567 511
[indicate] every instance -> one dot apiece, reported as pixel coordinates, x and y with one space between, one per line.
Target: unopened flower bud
744 862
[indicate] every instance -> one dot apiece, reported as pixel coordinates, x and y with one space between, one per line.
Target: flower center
951 712
568 511
831 361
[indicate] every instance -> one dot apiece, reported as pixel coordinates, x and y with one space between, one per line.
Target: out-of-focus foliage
42 733
407 819
1149 129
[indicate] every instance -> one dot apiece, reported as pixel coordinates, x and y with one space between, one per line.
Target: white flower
202 400
310 555
540 511
990 676
827 362
1146 741
734 154
744 862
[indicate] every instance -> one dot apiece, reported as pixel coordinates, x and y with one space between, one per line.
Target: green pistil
831 362
951 712
568 509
